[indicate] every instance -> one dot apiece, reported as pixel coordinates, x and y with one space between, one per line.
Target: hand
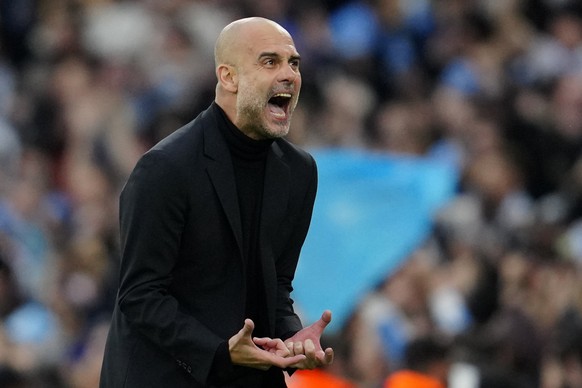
307 342
272 345
243 351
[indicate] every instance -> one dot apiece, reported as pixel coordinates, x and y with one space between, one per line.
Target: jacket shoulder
182 139
295 155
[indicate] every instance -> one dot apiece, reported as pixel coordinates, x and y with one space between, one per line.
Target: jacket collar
275 195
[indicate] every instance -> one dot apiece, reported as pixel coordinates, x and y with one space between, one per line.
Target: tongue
277 110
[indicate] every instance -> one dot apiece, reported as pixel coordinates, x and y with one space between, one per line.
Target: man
426 365
212 222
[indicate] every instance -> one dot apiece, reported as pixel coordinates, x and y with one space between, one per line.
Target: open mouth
279 103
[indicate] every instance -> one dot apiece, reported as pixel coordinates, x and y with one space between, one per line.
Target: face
268 84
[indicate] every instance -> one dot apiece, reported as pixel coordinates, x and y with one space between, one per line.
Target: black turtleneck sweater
248 158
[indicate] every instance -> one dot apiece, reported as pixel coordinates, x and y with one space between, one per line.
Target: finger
322 323
290 346
279 347
309 349
312 359
283 352
328 359
298 347
325 357
289 361
262 341
248 328
319 326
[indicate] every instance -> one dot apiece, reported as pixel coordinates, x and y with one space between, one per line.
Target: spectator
426 366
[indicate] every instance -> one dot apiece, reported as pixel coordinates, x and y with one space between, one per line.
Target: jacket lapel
275 198
221 172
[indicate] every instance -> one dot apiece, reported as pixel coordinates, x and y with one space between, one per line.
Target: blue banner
372 210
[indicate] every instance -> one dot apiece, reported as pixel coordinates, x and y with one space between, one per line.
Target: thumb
248 328
322 323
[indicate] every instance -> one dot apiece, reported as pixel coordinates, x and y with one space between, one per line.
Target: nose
288 74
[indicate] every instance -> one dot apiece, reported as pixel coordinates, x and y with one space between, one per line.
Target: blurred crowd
493 87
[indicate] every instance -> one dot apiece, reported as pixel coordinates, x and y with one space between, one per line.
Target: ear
227 77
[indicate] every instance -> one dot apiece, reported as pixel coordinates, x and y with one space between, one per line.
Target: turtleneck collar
239 144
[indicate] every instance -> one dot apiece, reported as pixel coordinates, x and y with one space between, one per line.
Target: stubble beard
251 110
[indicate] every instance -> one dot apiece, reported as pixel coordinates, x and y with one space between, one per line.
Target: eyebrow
276 55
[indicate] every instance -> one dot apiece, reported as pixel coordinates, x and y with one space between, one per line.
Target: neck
228 106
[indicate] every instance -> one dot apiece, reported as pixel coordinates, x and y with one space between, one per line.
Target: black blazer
182 284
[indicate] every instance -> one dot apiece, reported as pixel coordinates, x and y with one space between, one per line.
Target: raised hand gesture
307 342
244 352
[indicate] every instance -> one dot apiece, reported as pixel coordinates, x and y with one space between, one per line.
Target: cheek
254 88
298 81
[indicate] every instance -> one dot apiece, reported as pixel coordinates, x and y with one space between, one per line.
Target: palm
308 341
312 332
243 351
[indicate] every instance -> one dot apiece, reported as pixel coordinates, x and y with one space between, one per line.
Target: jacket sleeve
287 322
153 208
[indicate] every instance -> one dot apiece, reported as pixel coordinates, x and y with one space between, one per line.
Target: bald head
239 35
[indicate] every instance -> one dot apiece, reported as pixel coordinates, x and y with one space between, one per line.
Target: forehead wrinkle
242 36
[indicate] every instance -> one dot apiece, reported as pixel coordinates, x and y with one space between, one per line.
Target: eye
269 62
294 63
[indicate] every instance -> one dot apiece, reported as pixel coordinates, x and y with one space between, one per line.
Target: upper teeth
287 95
